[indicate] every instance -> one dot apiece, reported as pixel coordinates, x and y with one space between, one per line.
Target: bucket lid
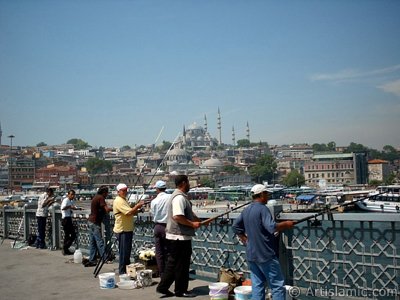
243 289
218 285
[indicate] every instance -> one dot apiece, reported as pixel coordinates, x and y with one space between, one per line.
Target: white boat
383 199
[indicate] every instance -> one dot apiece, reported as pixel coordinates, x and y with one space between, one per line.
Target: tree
207 182
78 143
244 143
264 168
389 179
165 146
319 147
294 178
41 144
98 166
231 170
331 146
354 147
125 148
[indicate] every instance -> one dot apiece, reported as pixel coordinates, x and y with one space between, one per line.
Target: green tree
231 170
375 182
41 144
244 143
164 146
78 143
263 169
331 146
294 178
207 182
354 147
125 148
98 166
319 147
389 179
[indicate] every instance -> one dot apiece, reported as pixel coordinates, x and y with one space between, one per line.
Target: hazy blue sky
114 72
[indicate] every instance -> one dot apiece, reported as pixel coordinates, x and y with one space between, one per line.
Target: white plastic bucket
107 280
219 290
242 292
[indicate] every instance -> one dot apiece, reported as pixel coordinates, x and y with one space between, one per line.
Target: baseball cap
161 184
258 189
121 186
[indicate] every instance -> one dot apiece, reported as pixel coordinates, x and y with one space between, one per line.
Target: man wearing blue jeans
256 227
98 210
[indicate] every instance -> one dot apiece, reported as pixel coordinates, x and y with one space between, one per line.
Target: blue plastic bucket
107 280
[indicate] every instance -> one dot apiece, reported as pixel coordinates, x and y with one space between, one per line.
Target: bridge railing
356 256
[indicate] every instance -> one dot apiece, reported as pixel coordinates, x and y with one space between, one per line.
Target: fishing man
255 227
123 226
98 211
159 210
181 225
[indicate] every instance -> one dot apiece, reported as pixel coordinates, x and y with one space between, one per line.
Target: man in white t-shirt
67 205
181 225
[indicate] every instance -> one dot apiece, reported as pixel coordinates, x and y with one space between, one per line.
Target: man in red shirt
98 210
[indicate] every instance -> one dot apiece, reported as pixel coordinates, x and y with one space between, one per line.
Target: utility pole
10 183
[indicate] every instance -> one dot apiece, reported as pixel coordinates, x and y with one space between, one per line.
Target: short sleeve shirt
123 222
257 223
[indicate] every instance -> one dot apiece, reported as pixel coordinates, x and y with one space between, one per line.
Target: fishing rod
329 210
157 170
110 244
240 206
148 157
314 216
162 161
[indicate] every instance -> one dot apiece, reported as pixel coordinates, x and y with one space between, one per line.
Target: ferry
383 199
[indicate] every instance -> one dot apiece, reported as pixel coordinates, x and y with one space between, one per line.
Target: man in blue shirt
256 227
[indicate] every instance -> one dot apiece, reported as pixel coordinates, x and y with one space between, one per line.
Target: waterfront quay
349 255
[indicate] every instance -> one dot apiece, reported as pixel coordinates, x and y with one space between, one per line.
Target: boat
385 198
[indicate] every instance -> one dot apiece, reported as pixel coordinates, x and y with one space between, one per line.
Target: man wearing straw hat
256 228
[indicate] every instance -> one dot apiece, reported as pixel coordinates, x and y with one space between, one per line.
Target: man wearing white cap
159 210
256 227
123 226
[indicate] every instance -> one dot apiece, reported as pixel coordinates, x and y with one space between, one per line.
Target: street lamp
10 165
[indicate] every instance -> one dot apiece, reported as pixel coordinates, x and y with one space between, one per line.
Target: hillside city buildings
195 153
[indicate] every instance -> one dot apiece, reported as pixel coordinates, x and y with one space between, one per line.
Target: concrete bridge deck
43 274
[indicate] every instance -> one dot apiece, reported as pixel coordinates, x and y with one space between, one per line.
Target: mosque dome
194 126
177 152
213 163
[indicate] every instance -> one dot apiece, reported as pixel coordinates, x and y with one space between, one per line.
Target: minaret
1 133
205 123
248 131
233 136
219 126
184 137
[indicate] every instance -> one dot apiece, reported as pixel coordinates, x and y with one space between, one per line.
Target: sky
123 72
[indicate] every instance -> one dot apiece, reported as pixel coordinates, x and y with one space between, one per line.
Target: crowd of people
175 224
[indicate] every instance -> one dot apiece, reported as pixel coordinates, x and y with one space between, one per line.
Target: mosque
196 144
